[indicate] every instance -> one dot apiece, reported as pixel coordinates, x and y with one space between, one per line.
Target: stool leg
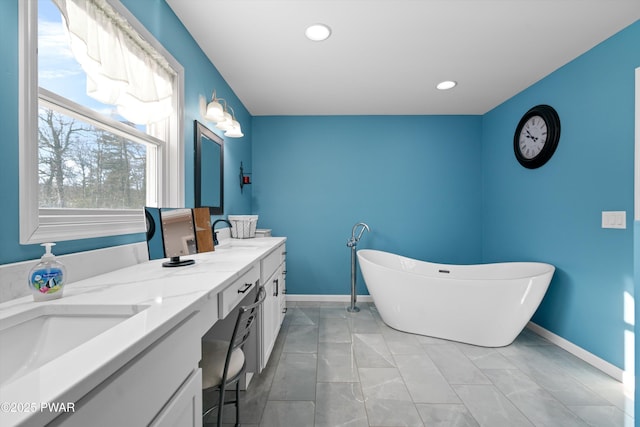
238 403
221 405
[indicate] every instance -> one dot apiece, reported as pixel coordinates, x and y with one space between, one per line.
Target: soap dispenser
46 278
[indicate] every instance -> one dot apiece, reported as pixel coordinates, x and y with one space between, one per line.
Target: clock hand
532 137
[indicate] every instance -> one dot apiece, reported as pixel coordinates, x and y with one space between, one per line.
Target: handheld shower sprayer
353 241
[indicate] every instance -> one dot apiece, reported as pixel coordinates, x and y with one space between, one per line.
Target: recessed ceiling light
446 85
317 32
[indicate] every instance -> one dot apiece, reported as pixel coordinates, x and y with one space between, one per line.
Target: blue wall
553 213
201 78
414 180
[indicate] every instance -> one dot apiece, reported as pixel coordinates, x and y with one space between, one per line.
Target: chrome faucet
353 241
215 233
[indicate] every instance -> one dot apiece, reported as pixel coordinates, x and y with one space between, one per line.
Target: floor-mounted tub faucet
352 243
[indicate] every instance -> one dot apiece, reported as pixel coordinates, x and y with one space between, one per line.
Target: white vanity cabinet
272 313
162 386
146 373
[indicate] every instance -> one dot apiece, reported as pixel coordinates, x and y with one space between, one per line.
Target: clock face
533 136
536 136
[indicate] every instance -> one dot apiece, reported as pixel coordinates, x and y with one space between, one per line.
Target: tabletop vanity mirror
176 232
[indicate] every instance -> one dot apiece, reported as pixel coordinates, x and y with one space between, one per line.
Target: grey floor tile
454 365
371 351
617 394
603 416
295 377
254 399
594 379
337 363
401 342
333 330
528 337
307 303
446 415
340 405
304 315
383 383
338 311
288 413
424 380
250 409
301 339
395 413
552 377
538 405
363 323
485 358
490 407
425 340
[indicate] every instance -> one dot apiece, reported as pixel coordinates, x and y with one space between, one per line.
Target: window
100 128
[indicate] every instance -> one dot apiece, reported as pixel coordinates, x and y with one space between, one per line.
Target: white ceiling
385 57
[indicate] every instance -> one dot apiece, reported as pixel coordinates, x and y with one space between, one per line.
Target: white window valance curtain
122 69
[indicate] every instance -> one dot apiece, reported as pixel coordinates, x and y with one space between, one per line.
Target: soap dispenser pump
47 278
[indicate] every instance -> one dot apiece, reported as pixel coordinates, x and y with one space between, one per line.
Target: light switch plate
614 219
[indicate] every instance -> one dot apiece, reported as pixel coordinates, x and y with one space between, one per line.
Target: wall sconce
224 120
245 178
215 110
231 125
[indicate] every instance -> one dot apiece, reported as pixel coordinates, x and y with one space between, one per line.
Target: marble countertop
170 295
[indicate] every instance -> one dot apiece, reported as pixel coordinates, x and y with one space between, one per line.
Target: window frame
46 225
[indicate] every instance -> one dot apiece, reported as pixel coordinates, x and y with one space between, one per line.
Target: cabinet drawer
271 262
232 295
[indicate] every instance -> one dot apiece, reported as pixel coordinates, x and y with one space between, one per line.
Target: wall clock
537 136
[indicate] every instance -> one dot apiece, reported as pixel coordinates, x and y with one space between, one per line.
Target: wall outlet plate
614 219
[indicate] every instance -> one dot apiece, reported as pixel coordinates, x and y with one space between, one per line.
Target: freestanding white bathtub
485 304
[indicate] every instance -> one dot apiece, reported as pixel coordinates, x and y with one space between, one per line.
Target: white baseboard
581 353
328 298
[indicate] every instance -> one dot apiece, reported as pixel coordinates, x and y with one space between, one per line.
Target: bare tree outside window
81 166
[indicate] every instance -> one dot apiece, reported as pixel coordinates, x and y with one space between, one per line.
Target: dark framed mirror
209 169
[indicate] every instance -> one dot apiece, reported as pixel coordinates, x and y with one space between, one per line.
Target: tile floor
332 368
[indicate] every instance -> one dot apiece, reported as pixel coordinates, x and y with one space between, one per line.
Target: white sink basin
34 337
